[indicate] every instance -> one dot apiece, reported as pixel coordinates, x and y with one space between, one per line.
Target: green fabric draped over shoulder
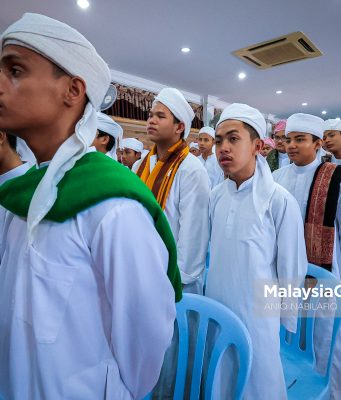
93 179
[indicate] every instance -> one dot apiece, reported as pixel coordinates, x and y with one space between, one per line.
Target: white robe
248 246
283 159
336 161
297 180
187 213
215 173
87 311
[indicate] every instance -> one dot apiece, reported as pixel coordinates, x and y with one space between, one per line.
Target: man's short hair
12 141
111 142
58 72
252 131
177 121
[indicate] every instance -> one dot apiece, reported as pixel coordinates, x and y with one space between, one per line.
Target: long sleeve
132 258
292 260
193 234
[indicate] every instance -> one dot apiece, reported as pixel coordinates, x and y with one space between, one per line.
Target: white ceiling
144 37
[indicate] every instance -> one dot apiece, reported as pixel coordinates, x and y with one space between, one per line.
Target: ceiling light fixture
242 75
304 104
185 49
279 92
324 112
83 4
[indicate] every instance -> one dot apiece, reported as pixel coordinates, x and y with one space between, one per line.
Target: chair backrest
231 332
302 342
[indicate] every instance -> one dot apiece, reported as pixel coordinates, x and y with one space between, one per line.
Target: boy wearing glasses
278 157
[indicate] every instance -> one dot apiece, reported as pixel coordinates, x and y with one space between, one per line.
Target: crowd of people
94 252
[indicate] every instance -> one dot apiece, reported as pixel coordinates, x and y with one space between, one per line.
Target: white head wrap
207 129
133 144
194 145
332 125
305 123
174 100
72 52
247 114
109 126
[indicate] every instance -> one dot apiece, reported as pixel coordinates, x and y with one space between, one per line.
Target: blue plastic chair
298 360
231 332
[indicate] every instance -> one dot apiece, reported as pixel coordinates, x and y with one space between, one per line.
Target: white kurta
336 161
215 173
87 311
283 159
187 213
247 249
297 180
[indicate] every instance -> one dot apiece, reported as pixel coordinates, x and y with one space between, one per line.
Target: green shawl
94 178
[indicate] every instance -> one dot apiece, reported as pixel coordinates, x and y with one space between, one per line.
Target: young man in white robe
108 136
179 182
332 139
131 151
252 221
194 149
313 184
207 157
86 306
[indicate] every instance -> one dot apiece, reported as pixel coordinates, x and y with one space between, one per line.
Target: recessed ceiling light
324 112
242 75
304 104
185 49
83 4
279 92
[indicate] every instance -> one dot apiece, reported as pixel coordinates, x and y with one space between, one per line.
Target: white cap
247 114
332 125
174 100
305 123
133 144
207 129
108 125
194 145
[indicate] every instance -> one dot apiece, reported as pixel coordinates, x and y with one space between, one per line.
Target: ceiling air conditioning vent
282 50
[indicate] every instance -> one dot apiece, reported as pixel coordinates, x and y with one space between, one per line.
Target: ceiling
144 38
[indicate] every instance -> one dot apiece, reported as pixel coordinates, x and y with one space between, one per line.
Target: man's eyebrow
11 57
227 133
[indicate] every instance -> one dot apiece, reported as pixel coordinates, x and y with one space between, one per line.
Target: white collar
306 168
13 173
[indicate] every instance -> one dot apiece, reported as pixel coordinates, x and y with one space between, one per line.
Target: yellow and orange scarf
161 178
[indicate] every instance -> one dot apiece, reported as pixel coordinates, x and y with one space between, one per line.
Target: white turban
207 129
332 125
132 144
305 123
112 128
174 100
194 145
247 114
73 53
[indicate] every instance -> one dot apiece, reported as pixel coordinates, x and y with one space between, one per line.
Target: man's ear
181 128
318 144
104 140
75 92
2 137
259 144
